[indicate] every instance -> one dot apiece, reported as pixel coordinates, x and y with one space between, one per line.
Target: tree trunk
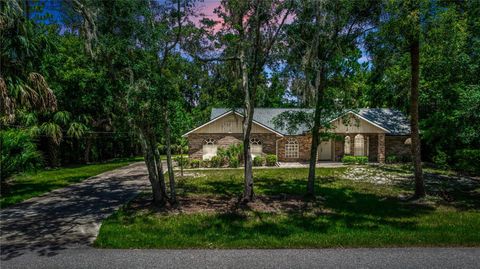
416 153
171 178
88 148
152 167
247 126
181 160
53 153
319 89
159 167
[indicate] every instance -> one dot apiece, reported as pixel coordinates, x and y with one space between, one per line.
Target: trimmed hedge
258 161
216 161
195 163
233 162
271 160
355 159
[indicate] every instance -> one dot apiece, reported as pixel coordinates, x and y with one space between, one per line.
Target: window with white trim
255 147
359 146
209 148
347 146
291 148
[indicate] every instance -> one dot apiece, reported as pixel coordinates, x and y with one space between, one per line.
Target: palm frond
53 131
77 130
61 117
46 100
27 118
6 104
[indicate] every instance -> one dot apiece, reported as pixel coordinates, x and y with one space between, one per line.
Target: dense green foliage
82 91
468 160
271 160
449 84
258 161
17 153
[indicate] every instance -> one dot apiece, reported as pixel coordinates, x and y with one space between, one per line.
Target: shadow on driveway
68 217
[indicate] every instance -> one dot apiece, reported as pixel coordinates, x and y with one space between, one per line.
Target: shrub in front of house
181 161
216 161
392 159
233 162
468 160
195 163
354 159
440 160
234 151
258 161
271 160
205 164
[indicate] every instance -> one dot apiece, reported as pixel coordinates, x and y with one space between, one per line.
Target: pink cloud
205 10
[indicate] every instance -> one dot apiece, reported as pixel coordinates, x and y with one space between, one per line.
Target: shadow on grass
344 211
461 192
20 191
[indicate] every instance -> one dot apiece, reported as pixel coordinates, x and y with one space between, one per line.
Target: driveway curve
69 217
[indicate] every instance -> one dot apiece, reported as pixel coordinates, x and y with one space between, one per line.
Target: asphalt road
286 258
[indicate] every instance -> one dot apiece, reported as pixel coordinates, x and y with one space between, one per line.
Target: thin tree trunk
181 160
158 194
159 167
416 153
320 89
53 153
171 175
88 148
247 126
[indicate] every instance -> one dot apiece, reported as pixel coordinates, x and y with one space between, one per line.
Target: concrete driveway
68 217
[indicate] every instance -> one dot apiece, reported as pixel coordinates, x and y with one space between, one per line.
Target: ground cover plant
356 206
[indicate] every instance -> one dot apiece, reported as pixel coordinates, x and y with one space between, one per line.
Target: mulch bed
193 204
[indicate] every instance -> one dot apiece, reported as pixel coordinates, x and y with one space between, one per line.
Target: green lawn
350 213
28 185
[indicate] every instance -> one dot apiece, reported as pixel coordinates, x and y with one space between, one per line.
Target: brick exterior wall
395 145
304 142
196 141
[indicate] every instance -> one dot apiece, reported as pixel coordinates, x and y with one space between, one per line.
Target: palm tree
23 45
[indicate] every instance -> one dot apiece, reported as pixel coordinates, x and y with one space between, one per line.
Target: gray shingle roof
390 119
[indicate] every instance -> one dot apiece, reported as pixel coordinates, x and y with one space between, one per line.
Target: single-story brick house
372 132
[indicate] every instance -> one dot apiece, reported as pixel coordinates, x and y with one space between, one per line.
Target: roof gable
351 122
229 115
391 121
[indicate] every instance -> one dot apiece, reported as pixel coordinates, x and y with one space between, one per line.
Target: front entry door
325 151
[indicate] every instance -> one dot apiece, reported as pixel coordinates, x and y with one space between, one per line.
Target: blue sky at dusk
205 8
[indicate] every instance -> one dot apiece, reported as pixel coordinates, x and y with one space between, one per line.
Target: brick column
381 148
366 144
352 144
